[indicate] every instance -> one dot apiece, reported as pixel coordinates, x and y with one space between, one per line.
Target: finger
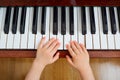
78 46
53 45
70 50
49 43
56 57
55 48
83 48
41 42
69 60
74 48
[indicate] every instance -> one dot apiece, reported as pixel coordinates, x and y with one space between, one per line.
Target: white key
3 36
31 37
47 23
10 36
74 37
51 24
24 37
96 40
1 15
67 36
16 44
103 37
88 35
110 36
59 36
80 36
117 35
38 35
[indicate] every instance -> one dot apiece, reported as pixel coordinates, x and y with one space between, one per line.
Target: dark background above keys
60 2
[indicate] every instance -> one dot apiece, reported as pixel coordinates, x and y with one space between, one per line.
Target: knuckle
54 43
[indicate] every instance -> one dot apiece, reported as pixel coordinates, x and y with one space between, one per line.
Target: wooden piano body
31 53
14 64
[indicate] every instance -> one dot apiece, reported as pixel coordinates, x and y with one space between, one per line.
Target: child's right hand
80 56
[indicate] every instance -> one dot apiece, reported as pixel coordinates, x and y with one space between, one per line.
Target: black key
55 21
112 19
92 21
22 22
83 16
118 12
71 16
104 20
63 21
15 19
43 20
35 18
7 20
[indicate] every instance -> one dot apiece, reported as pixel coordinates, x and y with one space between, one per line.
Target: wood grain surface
17 68
32 53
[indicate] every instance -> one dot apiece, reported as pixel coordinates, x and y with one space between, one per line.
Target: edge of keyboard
60 3
4 53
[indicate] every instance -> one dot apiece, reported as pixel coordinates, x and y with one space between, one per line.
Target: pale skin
46 55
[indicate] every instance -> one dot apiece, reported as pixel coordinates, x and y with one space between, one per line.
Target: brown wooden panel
17 68
32 53
60 3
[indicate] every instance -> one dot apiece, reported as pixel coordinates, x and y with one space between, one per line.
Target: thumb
56 57
69 60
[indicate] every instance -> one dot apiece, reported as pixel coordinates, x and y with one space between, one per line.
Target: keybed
96 27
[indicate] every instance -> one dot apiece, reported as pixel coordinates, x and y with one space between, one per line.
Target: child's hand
80 60
45 55
46 51
79 54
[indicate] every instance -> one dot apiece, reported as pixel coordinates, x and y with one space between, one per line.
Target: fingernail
58 41
75 41
53 38
82 44
70 41
67 45
43 37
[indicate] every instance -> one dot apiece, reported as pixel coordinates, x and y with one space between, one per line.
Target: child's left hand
46 51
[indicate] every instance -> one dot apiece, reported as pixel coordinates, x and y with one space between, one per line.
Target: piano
94 23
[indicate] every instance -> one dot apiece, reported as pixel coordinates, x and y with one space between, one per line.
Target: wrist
84 68
86 71
39 64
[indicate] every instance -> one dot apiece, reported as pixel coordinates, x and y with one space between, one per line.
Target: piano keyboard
96 27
